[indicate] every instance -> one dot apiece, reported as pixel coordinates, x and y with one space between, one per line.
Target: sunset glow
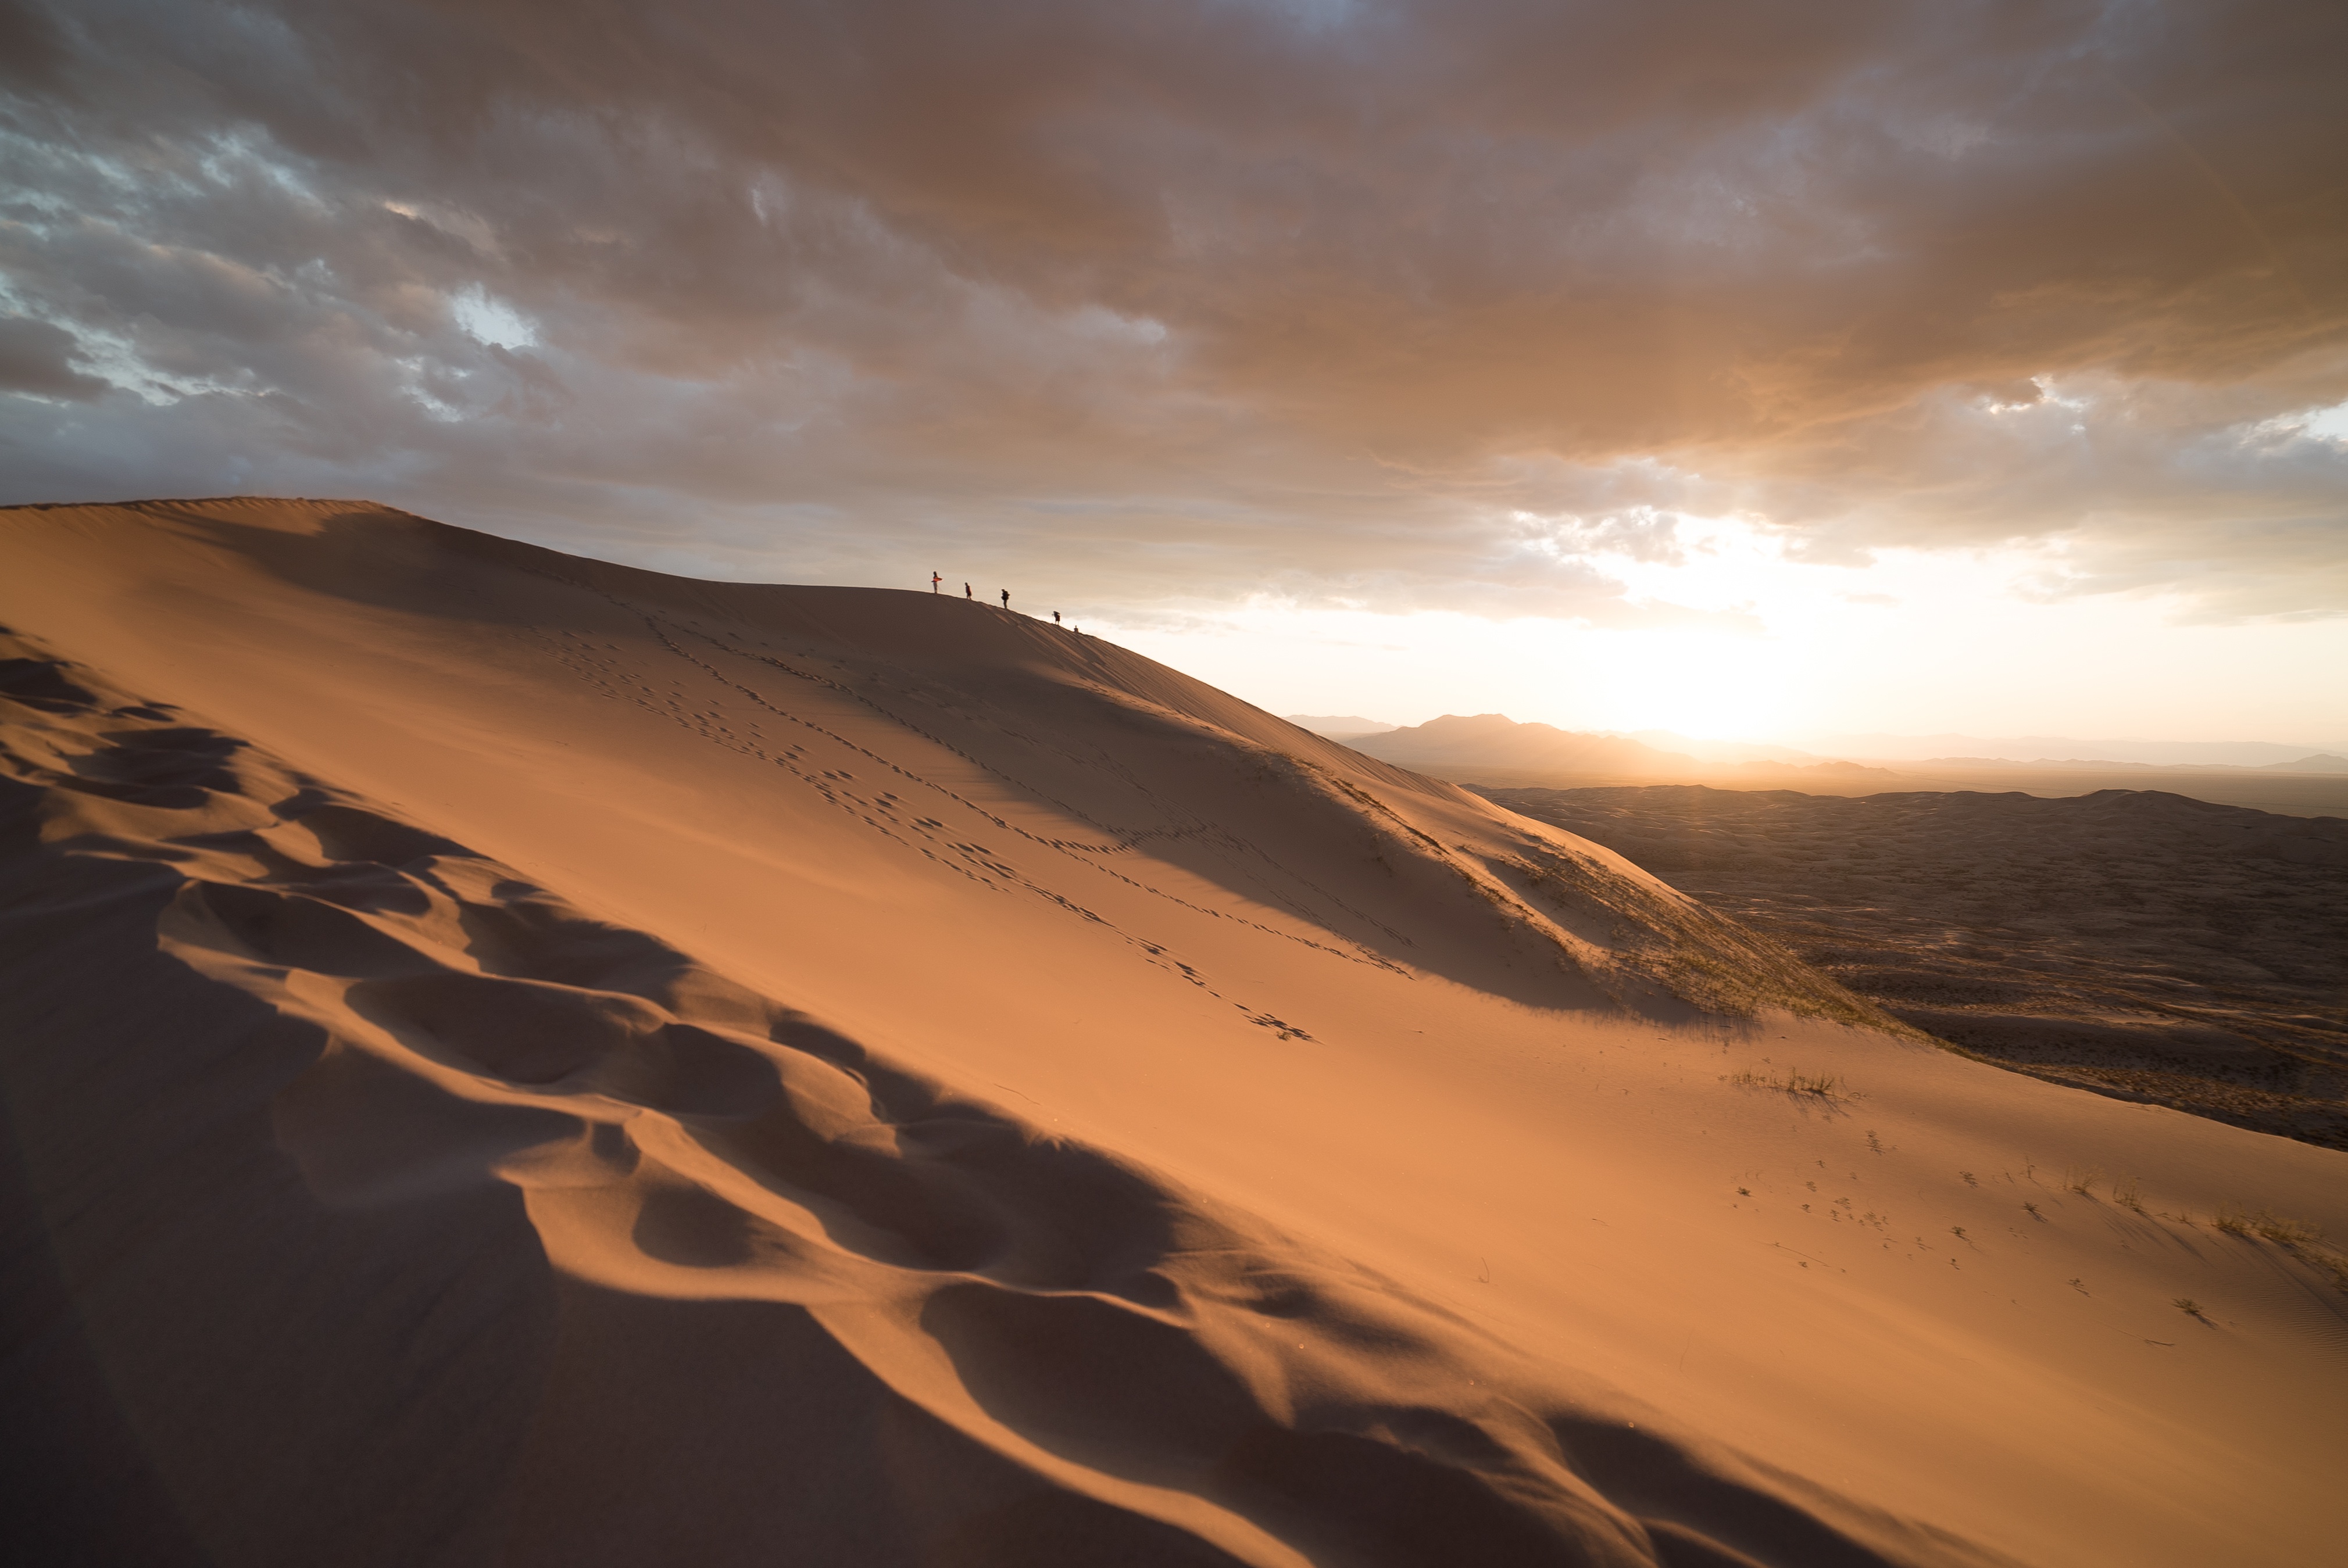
1657 349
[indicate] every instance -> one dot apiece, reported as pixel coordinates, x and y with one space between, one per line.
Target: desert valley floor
515 1059
2133 941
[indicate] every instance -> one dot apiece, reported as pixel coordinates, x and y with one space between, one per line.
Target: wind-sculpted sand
516 1059
2132 942
1060 1351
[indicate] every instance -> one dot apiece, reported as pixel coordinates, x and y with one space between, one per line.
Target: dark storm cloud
1391 302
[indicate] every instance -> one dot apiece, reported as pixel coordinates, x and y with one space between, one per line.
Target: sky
1739 368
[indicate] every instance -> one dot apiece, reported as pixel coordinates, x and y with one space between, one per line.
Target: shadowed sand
512 1058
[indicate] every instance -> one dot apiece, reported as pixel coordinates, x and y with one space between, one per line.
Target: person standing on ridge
1006 599
1056 617
965 590
934 580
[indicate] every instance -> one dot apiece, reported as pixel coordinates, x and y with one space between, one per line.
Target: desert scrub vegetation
2297 1237
1697 953
2235 1220
1816 1085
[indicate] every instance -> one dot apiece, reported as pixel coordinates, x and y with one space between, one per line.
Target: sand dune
518 1060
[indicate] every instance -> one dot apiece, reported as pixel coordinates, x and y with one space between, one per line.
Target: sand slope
535 1060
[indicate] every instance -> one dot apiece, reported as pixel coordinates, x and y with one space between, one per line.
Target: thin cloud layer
1387 304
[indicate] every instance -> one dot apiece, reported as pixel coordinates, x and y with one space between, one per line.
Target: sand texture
516 1059
2137 942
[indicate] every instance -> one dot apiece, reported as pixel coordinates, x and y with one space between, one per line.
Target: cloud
37 357
1199 296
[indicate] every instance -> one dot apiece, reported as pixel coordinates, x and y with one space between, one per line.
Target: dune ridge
1032 709
1603 920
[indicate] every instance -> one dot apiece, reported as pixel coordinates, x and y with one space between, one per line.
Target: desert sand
516 1060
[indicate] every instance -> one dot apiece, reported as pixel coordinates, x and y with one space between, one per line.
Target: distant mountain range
1340 726
1495 740
2322 763
2041 751
1705 750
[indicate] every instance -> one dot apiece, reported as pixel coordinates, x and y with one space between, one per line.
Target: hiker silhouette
1006 599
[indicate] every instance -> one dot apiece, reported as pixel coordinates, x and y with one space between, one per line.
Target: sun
1700 683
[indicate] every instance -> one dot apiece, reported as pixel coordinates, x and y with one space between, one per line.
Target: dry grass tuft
1691 949
2287 1233
2301 1239
1816 1085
